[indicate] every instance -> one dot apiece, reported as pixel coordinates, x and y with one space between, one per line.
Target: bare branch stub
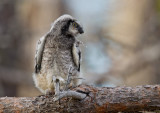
98 100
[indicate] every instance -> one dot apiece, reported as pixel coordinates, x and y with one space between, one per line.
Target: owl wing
76 55
39 53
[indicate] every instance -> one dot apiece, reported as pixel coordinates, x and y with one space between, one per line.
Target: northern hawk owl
58 52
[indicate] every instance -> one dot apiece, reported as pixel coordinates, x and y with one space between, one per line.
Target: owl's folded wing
76 54
39 53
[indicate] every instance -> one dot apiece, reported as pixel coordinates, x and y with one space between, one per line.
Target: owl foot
69 93
68 78
57 87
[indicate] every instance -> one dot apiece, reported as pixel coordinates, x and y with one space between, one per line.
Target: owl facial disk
75 28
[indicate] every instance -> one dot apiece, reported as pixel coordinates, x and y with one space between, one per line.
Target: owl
57 55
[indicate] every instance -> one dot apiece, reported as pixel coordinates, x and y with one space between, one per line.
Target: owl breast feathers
56 53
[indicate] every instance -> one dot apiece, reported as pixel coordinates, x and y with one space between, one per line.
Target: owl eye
74 24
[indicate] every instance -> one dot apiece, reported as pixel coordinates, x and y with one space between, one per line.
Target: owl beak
80 30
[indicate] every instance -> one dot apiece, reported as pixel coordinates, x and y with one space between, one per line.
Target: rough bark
98 100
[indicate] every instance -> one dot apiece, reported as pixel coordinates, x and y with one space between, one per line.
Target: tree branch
98 100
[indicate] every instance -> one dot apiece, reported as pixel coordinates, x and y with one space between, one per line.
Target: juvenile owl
57 55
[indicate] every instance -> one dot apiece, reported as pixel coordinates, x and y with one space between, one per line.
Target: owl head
67 25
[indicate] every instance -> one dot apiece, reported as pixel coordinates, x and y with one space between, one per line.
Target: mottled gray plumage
56 53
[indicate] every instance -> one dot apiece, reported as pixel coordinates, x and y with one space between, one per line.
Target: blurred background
121 41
